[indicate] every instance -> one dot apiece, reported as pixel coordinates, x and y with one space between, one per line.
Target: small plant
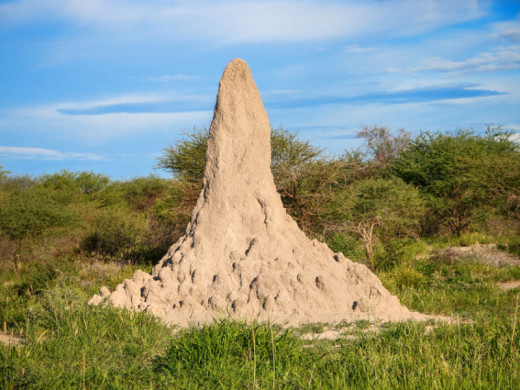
405 277
311 328
228 353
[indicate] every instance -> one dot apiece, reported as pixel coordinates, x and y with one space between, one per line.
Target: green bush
466 177
16 183
74 182
404 277
141 193
348 244
378 211
31 212
3 174
187 157
117 233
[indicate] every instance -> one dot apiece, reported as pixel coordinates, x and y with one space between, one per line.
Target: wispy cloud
508 30
502 58
233 21
283 91
169 78
139 108
414 95
137 104
15 152
514 126
135 98
101 129
512 34
357 49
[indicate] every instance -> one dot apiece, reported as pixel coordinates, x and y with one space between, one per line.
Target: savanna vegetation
392 203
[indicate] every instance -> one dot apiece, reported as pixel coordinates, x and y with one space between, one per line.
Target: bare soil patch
487 254
10 340
510 285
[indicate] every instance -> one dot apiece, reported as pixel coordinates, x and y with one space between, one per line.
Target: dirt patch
10 340
486 254
511 285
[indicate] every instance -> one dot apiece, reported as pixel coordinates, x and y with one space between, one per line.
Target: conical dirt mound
242 254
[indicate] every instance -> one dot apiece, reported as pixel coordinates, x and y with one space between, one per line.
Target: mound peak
242 255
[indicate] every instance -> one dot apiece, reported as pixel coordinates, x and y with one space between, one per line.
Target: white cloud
16 152
508 30
167 78
54 109
357 49
282 92
502 58
113 100
101 129
84 129
512 34
233 21
514 126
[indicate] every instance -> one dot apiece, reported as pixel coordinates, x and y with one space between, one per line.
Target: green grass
69 344
47 277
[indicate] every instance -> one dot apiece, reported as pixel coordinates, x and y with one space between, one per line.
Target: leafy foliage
382 209
305 178
31 212
115 234
187 157
380 146
79 182
458 171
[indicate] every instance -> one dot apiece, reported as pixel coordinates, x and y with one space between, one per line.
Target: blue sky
105 85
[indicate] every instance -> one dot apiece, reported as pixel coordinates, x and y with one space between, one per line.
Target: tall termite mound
242 255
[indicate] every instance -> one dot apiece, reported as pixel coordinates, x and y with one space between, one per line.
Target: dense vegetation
390 190
392 203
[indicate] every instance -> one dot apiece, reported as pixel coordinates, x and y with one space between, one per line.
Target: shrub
117 233
75 182
404 276
16 183
141 193
3 174
379 210
31 212
380 146
466 177
187 157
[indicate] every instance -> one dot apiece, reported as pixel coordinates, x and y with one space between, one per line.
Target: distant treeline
366 202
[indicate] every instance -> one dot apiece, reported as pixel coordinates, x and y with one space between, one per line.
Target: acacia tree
304 177
375 156
379 209
381 146
463 175
187 157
